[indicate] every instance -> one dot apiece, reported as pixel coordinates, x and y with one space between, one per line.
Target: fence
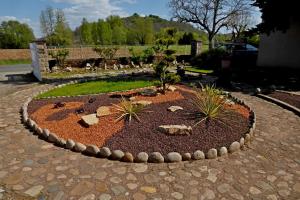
87 52
15 54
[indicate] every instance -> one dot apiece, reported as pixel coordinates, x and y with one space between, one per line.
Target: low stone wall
15 54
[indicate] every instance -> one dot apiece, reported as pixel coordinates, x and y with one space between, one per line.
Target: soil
141 136
289 98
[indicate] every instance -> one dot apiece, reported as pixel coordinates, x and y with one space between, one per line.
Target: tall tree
55 27
118 29
143 30
15 35
239 23
209 15
86 32
104 32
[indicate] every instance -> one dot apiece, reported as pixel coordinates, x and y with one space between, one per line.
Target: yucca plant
128 110
209 104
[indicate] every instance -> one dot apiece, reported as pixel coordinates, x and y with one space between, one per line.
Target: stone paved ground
268 169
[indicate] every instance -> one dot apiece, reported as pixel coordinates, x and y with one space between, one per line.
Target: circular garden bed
168 128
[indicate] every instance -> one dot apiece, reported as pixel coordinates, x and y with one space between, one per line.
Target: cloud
92 10
34 25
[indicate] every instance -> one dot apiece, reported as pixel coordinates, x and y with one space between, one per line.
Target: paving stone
148 189
132 186
101 187
104 197
208 194
88 197
177 195
223 188
34 191
140 168
82 188
254 191
118 190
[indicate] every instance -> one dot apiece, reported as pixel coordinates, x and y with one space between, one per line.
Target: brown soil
291 99
137 136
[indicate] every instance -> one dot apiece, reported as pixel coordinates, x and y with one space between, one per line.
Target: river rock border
142 157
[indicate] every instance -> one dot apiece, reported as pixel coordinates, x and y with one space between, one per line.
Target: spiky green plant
209 104
128 110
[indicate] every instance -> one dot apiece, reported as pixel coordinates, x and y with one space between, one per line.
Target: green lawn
96 87
15 62
196 70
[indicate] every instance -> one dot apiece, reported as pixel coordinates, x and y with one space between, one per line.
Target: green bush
210 59
60 56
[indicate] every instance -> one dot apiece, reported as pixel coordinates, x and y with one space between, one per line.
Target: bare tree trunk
211 42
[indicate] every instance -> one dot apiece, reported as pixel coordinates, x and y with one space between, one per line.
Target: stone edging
280 103
142 157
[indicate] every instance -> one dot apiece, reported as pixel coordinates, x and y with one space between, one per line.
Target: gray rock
198 155
142 102
103 111
117 155
53 138
174 157
148 92
79 147
186 156
70 144
142 157
46 133
90 120
156 157
174 108
92 150
39 131
212 154
175 129
235 146
223 151
105 152
61 142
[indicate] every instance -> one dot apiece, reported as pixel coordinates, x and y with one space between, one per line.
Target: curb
280 103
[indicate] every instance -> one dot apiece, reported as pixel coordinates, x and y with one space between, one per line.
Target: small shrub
60 56
107 53
128 110
210 59
209 104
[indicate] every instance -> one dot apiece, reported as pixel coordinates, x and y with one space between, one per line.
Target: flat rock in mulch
172 88
198 155
142 157
105 152
90 120
128 157
174 108
92 150
235 146
117 155
148 93
142 102
186 156
103 111
175 129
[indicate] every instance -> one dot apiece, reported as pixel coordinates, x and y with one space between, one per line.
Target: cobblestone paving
268 169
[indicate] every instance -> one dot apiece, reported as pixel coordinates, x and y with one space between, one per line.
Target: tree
55 27
15 35
85 32
239 23
60 56
118 30
277 15
167 37
209 15
104 32
186 38
142 30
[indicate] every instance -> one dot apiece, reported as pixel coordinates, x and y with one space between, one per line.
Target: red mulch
137 136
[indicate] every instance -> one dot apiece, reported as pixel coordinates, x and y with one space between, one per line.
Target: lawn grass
196 70
15 62
96 87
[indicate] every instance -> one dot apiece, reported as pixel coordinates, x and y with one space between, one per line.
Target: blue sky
28 11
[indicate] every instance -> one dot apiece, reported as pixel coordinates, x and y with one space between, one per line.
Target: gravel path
268 169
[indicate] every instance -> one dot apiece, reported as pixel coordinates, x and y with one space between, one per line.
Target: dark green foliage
186 39
60 56
14 35
210 59
167 37
277 14
106 53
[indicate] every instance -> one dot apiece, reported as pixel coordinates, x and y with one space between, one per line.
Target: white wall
280 49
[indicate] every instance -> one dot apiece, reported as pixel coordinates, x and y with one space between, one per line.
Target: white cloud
34 25
92 9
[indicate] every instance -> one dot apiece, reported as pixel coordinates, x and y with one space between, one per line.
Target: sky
28 11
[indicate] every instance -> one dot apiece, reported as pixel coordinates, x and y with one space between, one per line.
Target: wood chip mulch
141 136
